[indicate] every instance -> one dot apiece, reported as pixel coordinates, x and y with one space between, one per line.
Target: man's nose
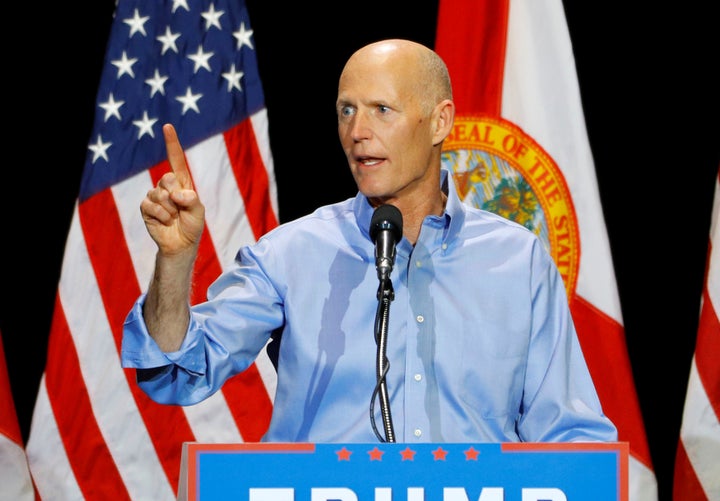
360 127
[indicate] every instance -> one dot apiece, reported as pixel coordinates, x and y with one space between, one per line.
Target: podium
404 472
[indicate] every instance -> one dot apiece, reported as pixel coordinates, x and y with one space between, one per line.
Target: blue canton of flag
169 62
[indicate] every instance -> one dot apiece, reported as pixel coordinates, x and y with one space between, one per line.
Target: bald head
419 68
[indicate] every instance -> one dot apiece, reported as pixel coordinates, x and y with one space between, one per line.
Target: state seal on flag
496 166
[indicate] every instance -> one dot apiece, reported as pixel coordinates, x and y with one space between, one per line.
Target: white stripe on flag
262 134
225 216
15 481
46 454
128 194
713 273
212 421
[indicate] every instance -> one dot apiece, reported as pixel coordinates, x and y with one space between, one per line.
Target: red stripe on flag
249 403
476 63
84 444
9 425
114 271
206 268
251 177
157 171
686 485
110 258
707 348
603 344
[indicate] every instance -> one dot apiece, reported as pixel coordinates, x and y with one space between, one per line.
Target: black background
649 85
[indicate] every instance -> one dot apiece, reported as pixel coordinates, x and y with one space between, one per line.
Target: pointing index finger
176 156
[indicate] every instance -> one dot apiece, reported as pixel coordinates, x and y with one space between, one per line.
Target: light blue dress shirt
481 344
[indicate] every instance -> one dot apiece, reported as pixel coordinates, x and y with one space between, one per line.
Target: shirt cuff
140 351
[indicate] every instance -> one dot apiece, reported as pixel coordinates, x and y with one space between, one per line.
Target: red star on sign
408 454
471 454
343 454
439 454
376 454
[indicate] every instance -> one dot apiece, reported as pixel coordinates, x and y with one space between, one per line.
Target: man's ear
444 116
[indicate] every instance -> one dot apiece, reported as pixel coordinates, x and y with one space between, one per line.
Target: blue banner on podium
404 472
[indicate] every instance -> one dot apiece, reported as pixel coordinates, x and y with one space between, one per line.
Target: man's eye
383 109
346 111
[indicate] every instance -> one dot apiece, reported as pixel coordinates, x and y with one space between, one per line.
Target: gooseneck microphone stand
385 232
385 295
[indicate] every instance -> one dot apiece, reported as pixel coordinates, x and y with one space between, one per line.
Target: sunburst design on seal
496 166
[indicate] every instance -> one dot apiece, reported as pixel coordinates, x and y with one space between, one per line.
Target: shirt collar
454 208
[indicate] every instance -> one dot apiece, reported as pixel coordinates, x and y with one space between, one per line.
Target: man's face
383 129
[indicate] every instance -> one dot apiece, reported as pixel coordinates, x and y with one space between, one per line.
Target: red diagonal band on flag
476 63
603 344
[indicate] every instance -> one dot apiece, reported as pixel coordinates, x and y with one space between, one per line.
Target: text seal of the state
496 166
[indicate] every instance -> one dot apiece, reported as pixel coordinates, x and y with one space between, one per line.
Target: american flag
94 434
697 461
513 59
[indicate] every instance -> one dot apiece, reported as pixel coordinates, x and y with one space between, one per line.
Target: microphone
385 231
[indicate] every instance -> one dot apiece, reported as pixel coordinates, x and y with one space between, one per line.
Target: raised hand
172 211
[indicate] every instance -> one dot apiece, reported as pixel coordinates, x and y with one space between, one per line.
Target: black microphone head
386 217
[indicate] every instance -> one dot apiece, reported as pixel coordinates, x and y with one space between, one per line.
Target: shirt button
420 319
418 263
418 377
417 432
444 246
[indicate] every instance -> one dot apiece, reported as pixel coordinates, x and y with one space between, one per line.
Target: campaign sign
405 472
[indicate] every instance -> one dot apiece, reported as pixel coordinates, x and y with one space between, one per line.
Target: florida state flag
15 481
520 149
